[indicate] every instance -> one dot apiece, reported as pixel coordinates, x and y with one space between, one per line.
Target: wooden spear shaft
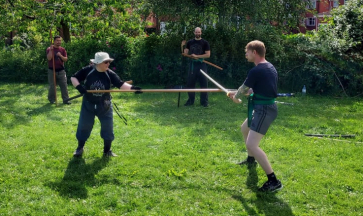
157 90
331 135
207 62
218 85
54 78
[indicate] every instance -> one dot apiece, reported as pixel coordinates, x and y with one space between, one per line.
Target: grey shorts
262 117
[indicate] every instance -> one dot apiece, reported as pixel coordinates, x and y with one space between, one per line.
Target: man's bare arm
182 46
186 51
243 90
64 59
204 56
50 55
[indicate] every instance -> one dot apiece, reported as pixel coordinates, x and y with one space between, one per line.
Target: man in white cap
97 76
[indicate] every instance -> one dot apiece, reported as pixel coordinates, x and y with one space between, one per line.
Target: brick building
318 11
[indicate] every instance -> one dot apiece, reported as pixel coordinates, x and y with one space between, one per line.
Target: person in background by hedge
60 56
97 76
198 48
261 86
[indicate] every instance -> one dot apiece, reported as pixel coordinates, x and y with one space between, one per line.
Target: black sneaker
247 162
78 153
205 105
67 102
271 186
52 102
188 103
109 154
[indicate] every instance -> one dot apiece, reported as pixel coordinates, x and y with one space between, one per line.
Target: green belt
196 60
256 99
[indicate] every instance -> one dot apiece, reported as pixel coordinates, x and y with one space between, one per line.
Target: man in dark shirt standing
261 86
60 56
199 49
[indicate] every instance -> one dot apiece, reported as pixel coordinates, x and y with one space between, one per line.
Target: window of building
310 21
312 4
162 27
335 3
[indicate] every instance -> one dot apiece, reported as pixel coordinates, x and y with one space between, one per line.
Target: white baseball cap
101 57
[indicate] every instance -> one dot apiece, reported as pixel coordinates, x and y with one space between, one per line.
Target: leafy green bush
81 50
312 59
157 59
23 65
328 61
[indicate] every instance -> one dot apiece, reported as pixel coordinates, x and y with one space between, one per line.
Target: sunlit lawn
177 161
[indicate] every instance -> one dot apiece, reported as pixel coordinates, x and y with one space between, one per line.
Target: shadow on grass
163 108
79 175
21 102
266 203
23 115
42 109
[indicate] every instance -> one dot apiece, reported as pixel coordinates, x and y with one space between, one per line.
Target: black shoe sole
271 191
78 155
246 163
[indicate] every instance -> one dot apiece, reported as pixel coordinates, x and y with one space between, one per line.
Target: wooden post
54 78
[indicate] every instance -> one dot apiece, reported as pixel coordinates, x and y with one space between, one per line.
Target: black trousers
87 119
195 75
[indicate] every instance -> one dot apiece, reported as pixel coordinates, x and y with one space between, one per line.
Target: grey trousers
61 80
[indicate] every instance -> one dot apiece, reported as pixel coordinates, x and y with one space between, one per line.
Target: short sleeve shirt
197 47
263 80
95 80
58 62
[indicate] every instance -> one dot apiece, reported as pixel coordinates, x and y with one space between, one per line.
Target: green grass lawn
177 161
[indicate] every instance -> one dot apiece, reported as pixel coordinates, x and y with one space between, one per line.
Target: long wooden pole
54 78
80 95
213 81
217 84
157 90
331 135
207 62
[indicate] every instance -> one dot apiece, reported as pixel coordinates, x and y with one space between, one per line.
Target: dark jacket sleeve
81 75
115 79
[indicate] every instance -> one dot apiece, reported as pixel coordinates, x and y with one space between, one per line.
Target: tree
344 32
79 17
229 13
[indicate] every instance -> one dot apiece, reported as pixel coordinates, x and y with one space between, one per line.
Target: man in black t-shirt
198 48
97 77
262 109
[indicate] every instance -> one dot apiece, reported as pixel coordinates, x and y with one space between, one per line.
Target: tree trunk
9 39
65 32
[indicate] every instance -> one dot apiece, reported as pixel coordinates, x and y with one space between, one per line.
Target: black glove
136 88
81 89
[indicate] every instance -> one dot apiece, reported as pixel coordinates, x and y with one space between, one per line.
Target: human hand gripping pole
81 89
136 88
220 86
207 62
